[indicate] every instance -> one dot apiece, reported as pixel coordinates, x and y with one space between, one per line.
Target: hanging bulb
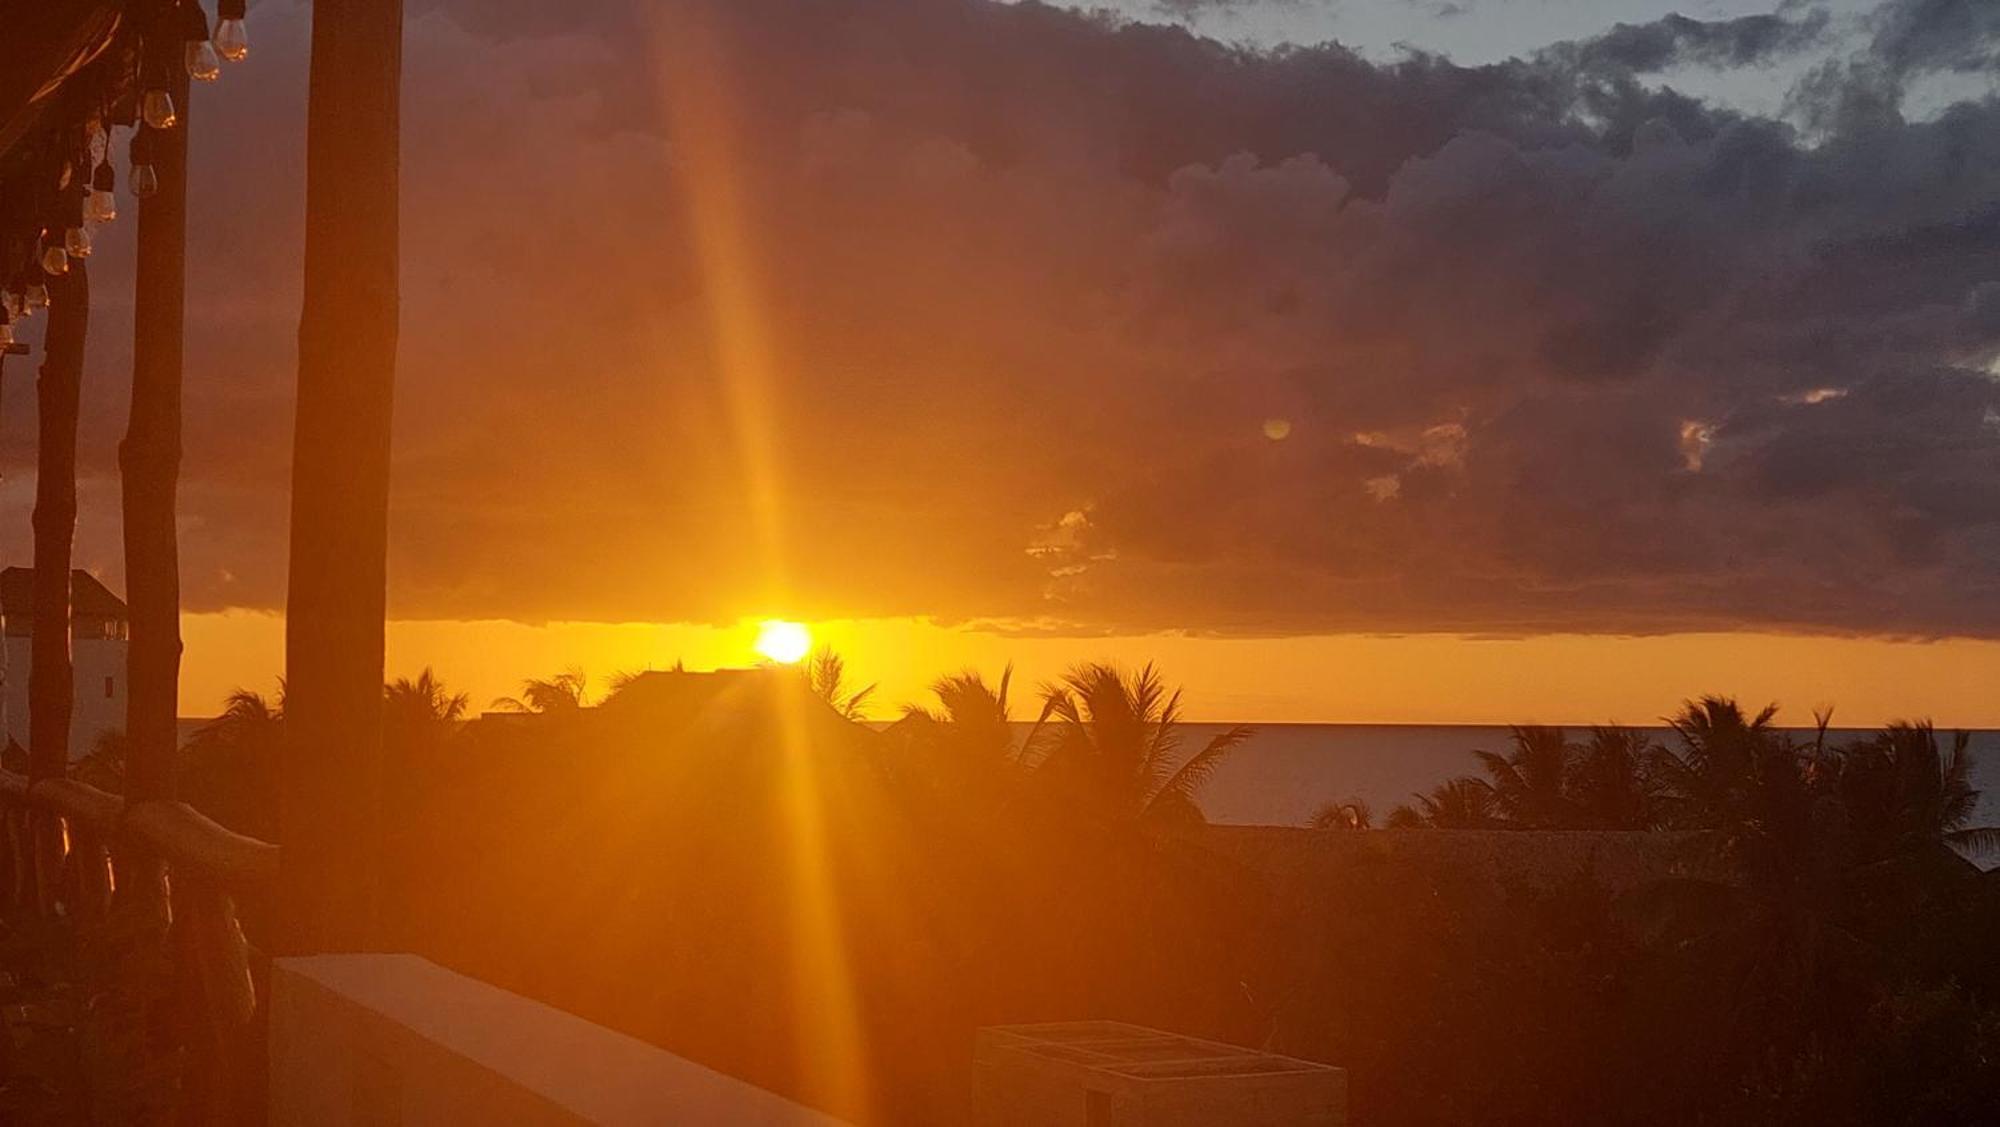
232 39
15 305
100 204
203 64
36 298
76 242
145 181
156 109
55 260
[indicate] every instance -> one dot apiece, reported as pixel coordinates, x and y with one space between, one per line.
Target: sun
786 643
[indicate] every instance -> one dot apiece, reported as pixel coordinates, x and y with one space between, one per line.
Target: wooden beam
330 824
149 461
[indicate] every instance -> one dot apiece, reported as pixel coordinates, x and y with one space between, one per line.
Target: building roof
88 597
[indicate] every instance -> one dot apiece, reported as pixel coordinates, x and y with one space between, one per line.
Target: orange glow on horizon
1351 679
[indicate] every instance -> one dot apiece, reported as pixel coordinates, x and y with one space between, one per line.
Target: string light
86 179
232 39
145 181
101 205
156 109
203 64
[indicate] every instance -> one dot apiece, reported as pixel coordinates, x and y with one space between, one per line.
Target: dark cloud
1042 317
1912 40
1921 36
1679 41
1189 9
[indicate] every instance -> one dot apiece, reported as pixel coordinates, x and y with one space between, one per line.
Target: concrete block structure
396 1041
99 631
1109 1074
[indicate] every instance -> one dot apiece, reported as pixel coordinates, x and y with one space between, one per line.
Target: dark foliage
728 867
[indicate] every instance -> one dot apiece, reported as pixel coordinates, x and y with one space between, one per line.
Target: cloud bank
993 312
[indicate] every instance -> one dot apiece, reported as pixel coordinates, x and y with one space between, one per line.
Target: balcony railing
151 889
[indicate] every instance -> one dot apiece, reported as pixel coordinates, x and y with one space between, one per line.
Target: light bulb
100 206
13 303
156 109
232 39
37 297
203 64
76 242
145 181
55 260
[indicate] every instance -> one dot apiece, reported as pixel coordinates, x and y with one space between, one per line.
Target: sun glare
786 643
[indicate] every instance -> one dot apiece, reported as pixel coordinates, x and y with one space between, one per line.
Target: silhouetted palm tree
1904 795
1720 763
1612 783
973 718
966 747
1460 804
625 678
420 709
566 693
826 674
1117 740
103 766
1347 814
229 766
1529 782
248 718
1774 915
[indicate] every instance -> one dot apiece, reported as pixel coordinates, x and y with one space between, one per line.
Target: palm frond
1980 841
1348 814
1191 776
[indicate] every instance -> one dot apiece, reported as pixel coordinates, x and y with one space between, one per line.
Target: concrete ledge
395 1041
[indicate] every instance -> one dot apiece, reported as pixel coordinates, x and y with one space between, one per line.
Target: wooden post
51 678
330 827
149 461
149 466
51 674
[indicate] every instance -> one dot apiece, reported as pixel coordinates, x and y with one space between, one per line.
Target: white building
99 628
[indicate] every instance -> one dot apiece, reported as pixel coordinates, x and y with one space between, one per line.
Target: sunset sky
1381 360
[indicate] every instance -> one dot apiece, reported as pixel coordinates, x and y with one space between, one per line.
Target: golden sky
1345 678
878 315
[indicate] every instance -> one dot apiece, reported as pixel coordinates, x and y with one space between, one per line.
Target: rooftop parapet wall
382 1039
